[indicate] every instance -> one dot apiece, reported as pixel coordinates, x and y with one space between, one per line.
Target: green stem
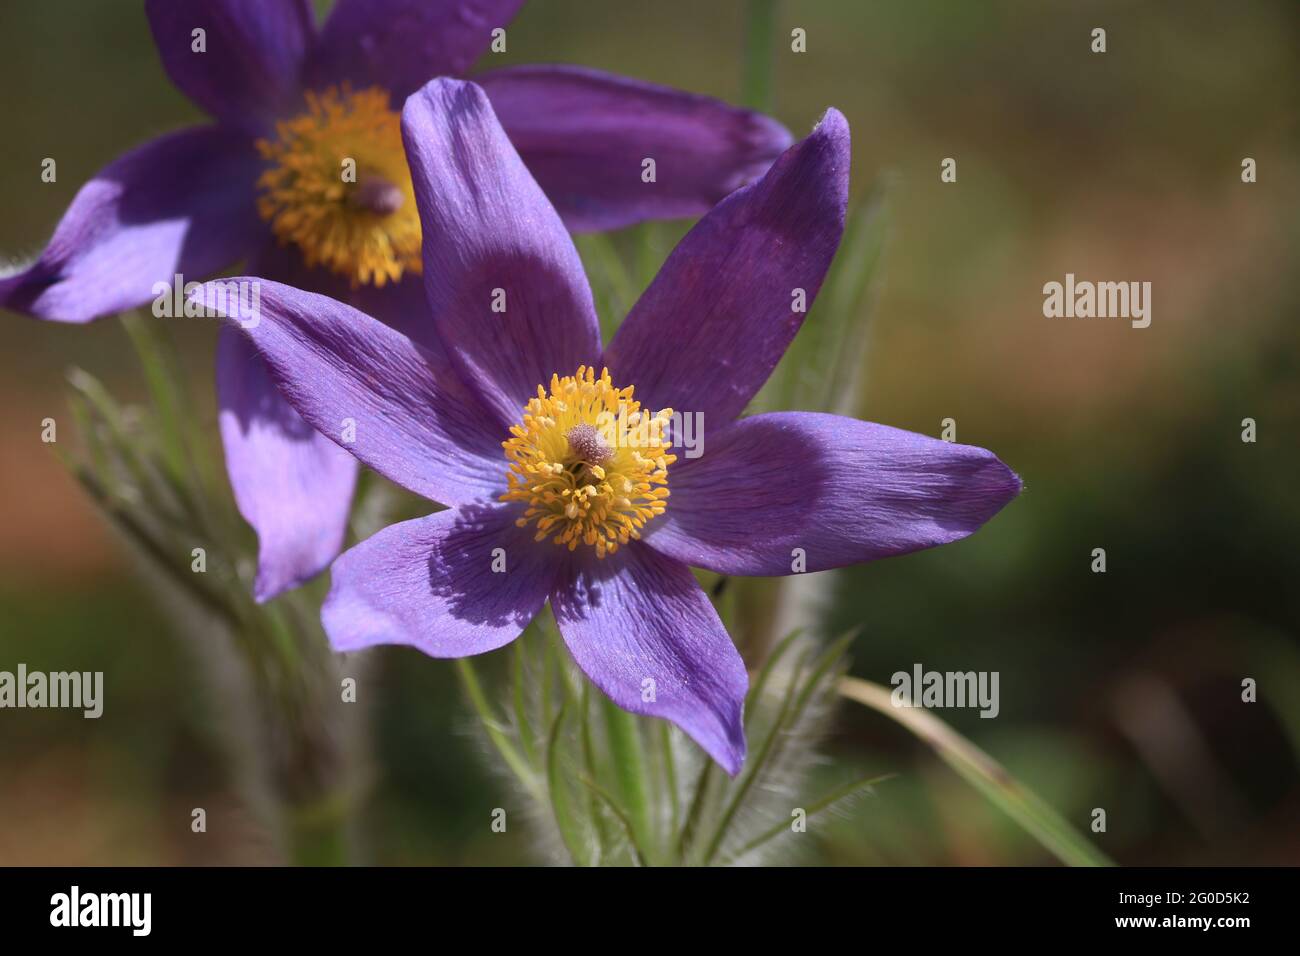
670 775
521 712
628 756
756 763
154 356
571 832
689 834
516 763
153 481
589 765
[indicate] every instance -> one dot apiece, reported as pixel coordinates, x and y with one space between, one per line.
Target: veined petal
718 317
643 631
246 67
402 44
182 203
401 305
291 483
585 134
456 583
841 491
392 403
505 284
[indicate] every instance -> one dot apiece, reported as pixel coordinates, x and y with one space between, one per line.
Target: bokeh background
1119 691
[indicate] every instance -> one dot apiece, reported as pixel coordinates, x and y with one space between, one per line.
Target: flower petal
638 617
352 377
841 490
402 44
182 203
708 331
584 135
400 305
292 484
249 70
434 583
492 240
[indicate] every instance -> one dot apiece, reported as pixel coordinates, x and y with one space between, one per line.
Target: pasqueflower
302 175
561 481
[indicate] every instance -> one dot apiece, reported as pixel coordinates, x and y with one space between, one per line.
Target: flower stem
627 752
513 759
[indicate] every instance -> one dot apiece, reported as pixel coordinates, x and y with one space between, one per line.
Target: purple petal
637 617
249 72
400 305
584 135
293 485
182 203
842 491
392 403
716 319
402 44
491 238
456 583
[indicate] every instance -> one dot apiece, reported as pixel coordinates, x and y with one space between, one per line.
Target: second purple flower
302 176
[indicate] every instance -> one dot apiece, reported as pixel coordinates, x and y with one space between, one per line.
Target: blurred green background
1118 690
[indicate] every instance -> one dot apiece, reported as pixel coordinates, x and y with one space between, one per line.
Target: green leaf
566 816
168 399
158 552
496 732
522 723
833 656
670 774
589 766
754 766
109 428
610 804
766 761
985 774
691 826
765 673
838 795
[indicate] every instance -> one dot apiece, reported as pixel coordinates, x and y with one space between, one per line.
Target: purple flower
556 477
303 176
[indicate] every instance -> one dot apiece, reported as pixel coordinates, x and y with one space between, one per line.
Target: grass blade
985 774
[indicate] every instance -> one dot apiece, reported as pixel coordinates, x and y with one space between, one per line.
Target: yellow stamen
591 466
339 189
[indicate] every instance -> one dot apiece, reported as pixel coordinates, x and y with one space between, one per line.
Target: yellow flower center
590 464
339 189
